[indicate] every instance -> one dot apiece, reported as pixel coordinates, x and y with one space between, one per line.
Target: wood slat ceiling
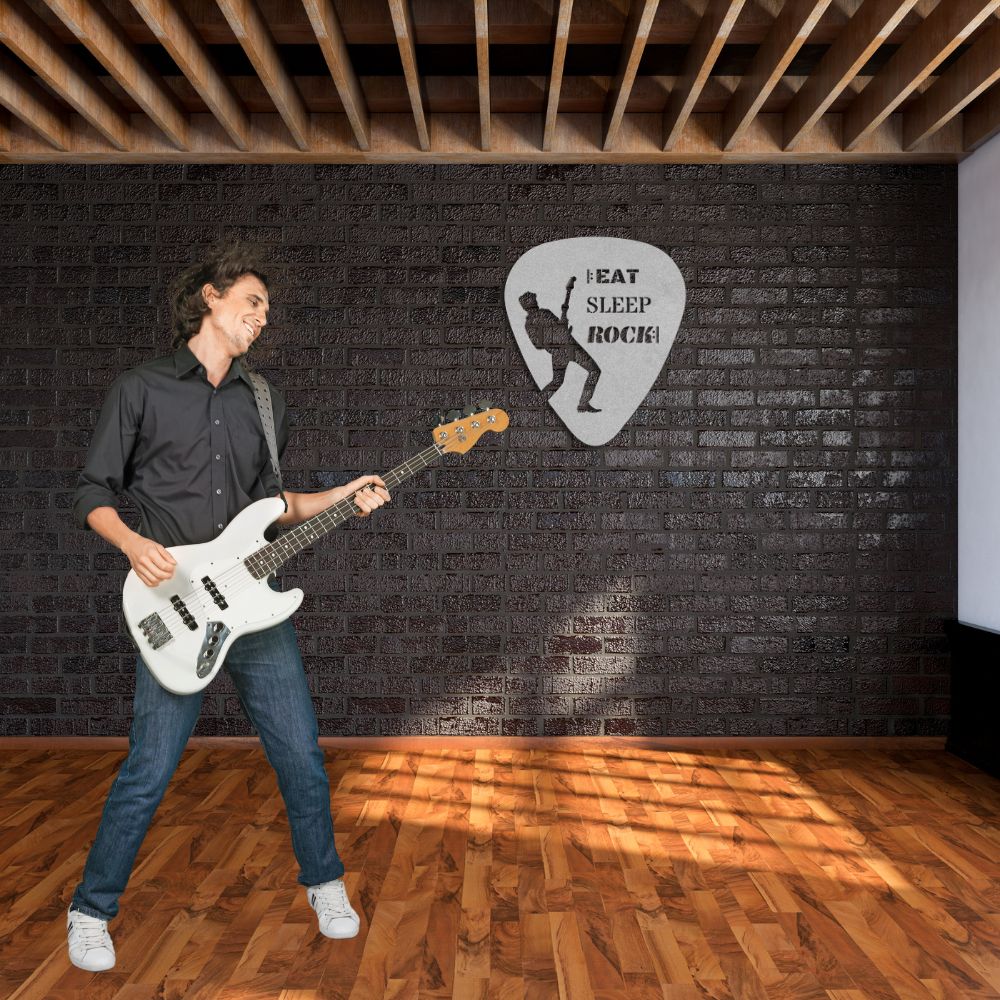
497 80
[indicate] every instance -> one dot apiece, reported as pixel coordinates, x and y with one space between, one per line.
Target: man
181 435
547 333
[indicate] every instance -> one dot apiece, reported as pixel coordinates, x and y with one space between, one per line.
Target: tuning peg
442 417
469 410
484 404
454 414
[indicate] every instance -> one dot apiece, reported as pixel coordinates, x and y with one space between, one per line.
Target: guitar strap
262 394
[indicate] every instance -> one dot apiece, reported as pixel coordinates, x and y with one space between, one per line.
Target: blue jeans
269 677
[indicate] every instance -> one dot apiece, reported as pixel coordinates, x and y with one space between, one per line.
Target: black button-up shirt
190 456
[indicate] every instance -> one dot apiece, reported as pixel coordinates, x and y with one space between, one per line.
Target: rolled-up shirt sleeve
102 478
267 477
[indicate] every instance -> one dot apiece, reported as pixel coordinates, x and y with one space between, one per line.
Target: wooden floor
611 872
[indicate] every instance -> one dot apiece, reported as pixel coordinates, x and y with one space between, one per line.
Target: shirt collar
185 361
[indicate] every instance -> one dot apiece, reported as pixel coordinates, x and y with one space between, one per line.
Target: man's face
241 313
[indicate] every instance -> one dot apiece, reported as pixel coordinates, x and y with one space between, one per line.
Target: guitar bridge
157 634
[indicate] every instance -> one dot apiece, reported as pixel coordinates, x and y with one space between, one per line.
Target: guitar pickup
213 592
181 608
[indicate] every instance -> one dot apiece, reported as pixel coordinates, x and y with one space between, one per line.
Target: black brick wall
768 547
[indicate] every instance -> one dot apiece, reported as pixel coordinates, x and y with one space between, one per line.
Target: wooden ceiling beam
92 24
872 24
973 74
402 23
460 94
330 35
255 38
791 29
555 78
944 29
483 67
579 139
982 121
174 31
512 22
595 22
33 42
637 28
715 27
22 96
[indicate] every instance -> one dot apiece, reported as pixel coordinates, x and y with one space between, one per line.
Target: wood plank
326 25
516 139
571 965
944 29
34 43
715 27
555 77
791 29
483 67
982 120
637 27
973 74
254 36
402 22
512 22
173 29
872 24
23 97
92 24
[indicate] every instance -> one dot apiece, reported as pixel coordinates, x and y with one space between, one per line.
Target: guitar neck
266 560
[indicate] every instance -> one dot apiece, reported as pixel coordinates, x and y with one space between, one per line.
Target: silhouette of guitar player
547 333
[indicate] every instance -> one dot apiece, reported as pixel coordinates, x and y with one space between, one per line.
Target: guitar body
184 627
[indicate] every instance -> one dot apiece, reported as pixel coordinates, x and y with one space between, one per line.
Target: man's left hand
367 492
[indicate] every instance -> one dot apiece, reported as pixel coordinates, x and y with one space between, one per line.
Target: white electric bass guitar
219 590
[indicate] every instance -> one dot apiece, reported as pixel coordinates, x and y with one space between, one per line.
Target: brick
775 521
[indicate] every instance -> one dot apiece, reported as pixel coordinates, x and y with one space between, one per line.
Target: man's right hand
151 561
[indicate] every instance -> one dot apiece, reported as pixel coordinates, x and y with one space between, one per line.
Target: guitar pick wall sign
595 318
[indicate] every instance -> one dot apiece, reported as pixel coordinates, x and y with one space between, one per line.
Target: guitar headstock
458 430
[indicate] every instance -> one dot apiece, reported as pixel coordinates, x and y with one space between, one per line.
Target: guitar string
231 578
239 577
340 512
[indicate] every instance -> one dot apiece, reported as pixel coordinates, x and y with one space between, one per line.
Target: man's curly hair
220 268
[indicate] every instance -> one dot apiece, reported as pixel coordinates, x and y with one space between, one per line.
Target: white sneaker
89 942
337 918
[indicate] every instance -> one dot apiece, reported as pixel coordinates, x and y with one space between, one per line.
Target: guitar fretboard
266 560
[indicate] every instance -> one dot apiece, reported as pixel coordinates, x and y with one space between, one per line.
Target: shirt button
218 458
218 491
220 527
216 421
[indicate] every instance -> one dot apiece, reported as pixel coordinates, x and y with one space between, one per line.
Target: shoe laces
92 932
331 897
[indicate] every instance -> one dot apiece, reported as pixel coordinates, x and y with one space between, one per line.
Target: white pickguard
252 604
